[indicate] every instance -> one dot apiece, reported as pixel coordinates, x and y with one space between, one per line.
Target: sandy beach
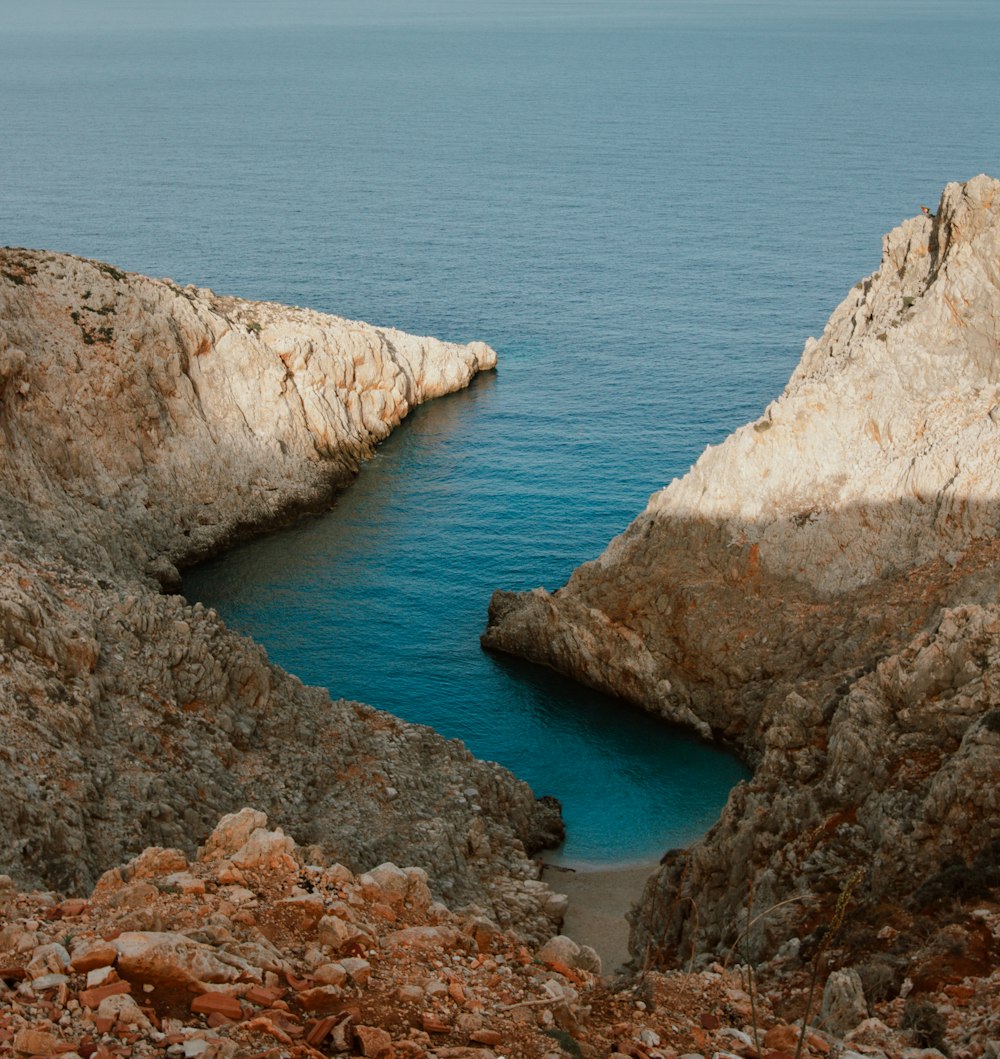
598 901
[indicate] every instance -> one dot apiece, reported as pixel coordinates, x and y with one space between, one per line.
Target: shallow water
644 206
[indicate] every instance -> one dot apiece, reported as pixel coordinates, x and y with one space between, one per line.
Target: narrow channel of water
644 206
383 599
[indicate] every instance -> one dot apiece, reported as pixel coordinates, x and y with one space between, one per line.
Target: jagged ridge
820 590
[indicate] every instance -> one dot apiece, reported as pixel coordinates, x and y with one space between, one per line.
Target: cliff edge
820 591
146 425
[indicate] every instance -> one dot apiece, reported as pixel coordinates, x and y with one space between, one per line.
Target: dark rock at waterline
548 829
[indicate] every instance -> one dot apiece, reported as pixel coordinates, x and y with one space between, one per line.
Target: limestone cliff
821 591
145 425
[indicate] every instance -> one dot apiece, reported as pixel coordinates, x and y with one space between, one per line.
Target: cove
382 599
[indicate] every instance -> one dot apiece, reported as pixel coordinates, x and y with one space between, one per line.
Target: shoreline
599 897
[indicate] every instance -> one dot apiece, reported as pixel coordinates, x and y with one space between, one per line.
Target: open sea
644 205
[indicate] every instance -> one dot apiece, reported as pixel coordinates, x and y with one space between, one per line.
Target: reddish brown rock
217 1003
782 1038
435 1024
374 1043
91 955
37 1042
320 1000
263 995
486 1036
91 998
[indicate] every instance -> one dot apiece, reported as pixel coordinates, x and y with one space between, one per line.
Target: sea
645 206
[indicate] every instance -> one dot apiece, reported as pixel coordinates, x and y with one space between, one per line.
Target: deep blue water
644 206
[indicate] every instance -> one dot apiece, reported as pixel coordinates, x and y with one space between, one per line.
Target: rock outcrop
145 425
820 591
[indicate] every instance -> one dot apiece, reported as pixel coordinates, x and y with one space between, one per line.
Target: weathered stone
48 959
123 1008
330 974
264 849
373 1042
423 938
92 998
29 1041
173 960
844 1005
358 970
320 1000
559 949
210 1003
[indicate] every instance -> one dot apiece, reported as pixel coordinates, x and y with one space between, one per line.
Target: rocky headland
820 591
146 425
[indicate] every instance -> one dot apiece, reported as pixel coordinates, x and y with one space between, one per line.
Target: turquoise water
645 207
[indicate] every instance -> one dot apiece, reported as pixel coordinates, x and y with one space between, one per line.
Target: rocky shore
254 947
820 591
146 425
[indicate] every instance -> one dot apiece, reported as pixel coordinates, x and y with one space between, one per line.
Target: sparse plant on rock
836 922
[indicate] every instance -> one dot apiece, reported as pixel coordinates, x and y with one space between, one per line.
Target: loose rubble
252 949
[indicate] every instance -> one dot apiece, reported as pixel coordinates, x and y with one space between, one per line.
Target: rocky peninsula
146 425
820 591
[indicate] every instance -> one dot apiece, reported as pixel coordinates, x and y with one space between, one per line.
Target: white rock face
821 591
145 425
186 417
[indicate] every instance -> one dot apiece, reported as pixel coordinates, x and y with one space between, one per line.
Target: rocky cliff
821 592
145 425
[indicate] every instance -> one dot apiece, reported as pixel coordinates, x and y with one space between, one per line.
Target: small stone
374 1043
91 998
340 936
358 970
91 955
435 1024
559 949
30 1041
486 1036
122 1008
220 1003
844 1005
322 1000
393 882
330 974
320 1030
101 976
183 882
231 833
265 849
262 995
48 981
48 959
